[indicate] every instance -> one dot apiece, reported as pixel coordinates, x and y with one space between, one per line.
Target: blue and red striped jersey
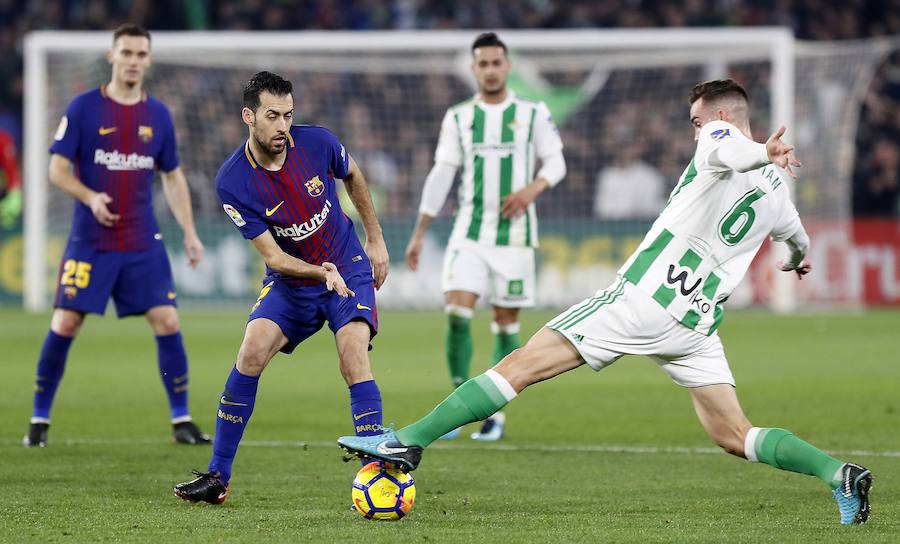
298 203
116 149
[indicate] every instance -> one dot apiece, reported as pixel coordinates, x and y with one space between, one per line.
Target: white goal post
713 49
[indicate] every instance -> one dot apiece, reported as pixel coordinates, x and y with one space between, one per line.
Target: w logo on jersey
315 187
682 279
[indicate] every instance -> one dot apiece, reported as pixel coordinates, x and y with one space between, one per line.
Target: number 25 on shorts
77 273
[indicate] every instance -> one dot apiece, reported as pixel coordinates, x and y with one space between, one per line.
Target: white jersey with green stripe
497 145
703 242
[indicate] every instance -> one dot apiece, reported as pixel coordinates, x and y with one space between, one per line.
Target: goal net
618 96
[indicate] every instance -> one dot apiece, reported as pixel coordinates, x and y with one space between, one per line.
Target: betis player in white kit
497 138
667 304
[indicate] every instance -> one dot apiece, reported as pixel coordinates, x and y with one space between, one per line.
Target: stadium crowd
400 167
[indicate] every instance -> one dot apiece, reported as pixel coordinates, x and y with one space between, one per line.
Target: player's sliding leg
460 308
173 369
262 340
352 341
720 414
50 368
547 354
505 328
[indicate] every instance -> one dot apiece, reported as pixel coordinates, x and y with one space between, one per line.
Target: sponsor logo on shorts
515 288
361 307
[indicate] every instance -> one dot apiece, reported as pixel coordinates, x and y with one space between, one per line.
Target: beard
271 147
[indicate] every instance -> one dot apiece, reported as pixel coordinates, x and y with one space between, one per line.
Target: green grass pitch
616 456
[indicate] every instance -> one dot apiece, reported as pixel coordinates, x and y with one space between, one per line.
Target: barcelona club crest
315 187
145 133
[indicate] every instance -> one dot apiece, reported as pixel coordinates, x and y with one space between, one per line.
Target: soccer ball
383 493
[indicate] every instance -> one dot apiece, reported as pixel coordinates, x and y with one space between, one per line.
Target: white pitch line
559 448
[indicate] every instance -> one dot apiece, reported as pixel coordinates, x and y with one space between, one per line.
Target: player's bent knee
252 358
66 322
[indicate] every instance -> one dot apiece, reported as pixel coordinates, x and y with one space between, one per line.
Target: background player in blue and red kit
115 138
279 189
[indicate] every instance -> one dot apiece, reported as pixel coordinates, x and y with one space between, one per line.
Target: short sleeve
339 159
713 135
546 135
449 149
240 212
67 140
168 153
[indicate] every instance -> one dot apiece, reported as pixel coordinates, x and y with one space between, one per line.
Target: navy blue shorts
136 280
301 311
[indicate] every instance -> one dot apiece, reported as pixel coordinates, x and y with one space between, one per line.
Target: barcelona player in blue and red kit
105 153
279 189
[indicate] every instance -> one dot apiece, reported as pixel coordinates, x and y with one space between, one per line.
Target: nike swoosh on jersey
385 450
273 210
104 131
229 403
361 307
357 418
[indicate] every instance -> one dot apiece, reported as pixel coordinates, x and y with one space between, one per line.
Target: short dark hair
488 39
718 88
265 81
130 29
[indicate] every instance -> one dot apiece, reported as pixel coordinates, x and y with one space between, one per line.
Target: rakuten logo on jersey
114 160
304 230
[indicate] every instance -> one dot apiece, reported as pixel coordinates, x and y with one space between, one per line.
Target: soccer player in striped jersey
106 150
667 304
280 190
496 136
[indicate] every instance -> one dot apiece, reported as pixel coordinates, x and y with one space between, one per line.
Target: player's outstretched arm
61 175
281 262
358 191
781 153
178 196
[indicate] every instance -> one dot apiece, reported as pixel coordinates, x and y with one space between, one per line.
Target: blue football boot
852 495
383 446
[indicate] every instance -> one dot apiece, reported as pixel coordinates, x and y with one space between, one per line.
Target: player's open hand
782 153
516 203
334 281
801 269
194 249
98 203
413 250
378 256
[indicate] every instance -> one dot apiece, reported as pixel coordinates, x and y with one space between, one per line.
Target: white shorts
504 272
623 320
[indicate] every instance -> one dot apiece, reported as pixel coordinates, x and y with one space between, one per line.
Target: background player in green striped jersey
667 304
496 137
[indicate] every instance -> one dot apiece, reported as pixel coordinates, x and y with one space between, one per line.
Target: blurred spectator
10 182
629 188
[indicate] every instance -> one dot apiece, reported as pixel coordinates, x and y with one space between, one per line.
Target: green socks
781 449
506 339
459 343
474 400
